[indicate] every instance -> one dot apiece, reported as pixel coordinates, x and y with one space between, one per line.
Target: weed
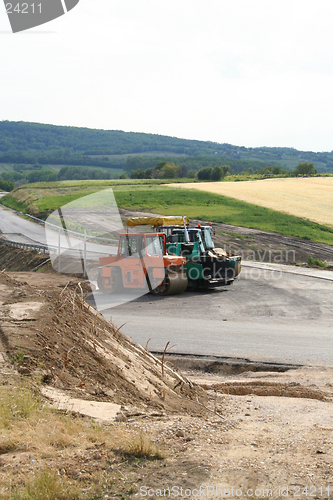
140 445
311 262
46 485
17 403
18 357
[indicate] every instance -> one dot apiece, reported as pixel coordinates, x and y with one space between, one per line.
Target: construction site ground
232 433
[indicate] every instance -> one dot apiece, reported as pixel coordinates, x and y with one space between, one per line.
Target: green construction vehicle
206 266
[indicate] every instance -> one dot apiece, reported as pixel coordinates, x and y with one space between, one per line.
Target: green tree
42 176
278 170
205 173
192 174
168 170
138 174
305 168
6 185
217 174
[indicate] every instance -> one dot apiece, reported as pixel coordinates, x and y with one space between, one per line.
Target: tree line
163 170
168 170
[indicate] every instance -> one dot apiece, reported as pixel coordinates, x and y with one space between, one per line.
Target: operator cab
207 238
201 235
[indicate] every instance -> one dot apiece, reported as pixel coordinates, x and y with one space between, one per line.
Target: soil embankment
261 430
46 318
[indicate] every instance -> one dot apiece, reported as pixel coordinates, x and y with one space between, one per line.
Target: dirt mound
17 259
48 328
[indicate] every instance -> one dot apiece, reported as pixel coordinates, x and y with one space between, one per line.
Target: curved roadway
272 313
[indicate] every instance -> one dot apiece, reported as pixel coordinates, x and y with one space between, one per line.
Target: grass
309 198
140 446
311 262
18 357
17 404
114 171
218 208
45 485
151 196
5 167
54 446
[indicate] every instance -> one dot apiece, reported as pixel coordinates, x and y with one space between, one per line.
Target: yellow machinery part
157 221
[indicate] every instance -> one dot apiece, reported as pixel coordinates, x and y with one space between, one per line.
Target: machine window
129 246
154 246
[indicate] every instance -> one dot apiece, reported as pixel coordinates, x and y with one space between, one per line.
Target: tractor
206 266
142 263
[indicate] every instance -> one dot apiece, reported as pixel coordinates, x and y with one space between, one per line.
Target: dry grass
45 485
309 198
27 424
30 428
139 445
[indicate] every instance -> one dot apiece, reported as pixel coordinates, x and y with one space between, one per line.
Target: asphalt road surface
267 316
272 313
20 230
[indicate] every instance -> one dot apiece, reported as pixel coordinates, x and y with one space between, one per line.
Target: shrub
6 185
315 262
205 173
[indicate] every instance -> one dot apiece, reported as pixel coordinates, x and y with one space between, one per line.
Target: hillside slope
20 141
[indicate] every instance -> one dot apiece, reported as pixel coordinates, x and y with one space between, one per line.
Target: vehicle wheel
162 288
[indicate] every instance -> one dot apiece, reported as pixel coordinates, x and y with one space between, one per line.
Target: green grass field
150 196
5 167
115 172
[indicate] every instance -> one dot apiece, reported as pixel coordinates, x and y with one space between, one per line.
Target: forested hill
38 143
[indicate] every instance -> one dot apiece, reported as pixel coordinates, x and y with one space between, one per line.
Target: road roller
142 262
206 266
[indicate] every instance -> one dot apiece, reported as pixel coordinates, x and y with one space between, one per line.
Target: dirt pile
46 327
17 259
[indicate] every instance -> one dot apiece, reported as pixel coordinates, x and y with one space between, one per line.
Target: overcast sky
246 72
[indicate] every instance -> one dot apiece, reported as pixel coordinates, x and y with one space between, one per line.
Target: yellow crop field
309 197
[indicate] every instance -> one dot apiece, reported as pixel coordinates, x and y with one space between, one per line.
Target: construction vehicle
142 263
206 266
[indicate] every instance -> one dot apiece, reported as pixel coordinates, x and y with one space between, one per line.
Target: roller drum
172 285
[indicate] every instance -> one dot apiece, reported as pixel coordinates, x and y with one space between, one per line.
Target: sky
245 72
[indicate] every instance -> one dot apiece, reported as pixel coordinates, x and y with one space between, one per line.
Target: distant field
115 172
146 153
310 198
149 196
5 167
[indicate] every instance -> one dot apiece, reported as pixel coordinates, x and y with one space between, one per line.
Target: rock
120 417
46 377
23 370
180 433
